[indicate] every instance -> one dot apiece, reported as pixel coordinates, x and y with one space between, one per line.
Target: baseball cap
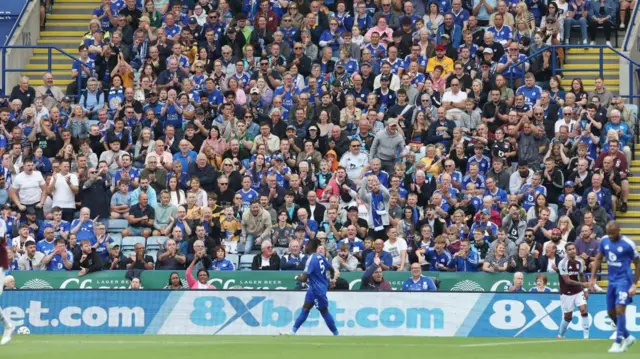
488 51
556 231
486 211
445 35
291 127
392 122
241 16
153 93
441 48
193 21
385 78
29 241
255 90
30 210
278 158
340 64
113 245
569 184
199 111
485 63
66 99
352 208
99 30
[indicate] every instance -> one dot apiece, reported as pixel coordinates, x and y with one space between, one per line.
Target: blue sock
330 322
304 313
563 327
621 323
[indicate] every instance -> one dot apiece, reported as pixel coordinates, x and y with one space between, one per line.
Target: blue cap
569 184
486 211
278 158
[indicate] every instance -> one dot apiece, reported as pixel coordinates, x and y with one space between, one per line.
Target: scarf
378 211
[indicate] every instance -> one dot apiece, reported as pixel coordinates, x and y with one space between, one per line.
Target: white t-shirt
395 249
450 96
354 164
63 197
28 186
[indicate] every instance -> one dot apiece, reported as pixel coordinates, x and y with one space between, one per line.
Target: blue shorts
618 294
318 299
137 231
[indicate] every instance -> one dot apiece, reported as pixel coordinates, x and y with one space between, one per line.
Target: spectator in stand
267 259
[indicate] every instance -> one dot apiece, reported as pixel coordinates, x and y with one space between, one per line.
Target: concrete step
84 5
83 10
63 41
79 15
61 81
56 33
628 231
591 81
571 51
63 27
67 62
69 50
583 74
592 65
45 66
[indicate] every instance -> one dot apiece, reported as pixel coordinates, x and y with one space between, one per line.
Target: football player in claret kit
4 263
573 290
315 273
619 252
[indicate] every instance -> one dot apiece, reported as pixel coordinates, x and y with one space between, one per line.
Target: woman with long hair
174 282
578 90
214 141
144 145
155 16
177 195
433 18
541 203
406 227
567 231
258 172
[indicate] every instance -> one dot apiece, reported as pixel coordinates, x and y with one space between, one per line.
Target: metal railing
631 26
16 25
50 53
634 68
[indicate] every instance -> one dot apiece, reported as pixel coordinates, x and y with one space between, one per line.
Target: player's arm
563 270
303 277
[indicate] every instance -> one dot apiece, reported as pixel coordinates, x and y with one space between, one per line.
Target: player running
619 252
315 273
4 263
573 290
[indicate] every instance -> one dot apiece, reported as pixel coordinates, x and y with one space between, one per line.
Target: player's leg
567 306
584 320
323 306
304 313
6 324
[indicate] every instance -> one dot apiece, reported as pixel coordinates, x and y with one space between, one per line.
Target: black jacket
318 213
124 139
95 196
207 176
543 262
274 262
91 262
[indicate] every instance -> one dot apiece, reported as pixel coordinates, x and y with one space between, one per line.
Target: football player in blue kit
619 252
315 273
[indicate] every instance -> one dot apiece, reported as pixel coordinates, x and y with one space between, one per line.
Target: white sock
585 326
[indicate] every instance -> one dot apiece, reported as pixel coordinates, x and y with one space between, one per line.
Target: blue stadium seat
235 259
117 225
245 262
117 238
152 242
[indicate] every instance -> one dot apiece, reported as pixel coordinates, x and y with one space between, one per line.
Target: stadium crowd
400 135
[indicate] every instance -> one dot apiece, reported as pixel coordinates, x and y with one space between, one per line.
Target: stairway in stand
581 58
66 25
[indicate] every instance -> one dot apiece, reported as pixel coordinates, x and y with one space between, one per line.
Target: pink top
195 284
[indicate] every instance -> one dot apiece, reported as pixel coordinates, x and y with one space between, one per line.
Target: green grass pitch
306 347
